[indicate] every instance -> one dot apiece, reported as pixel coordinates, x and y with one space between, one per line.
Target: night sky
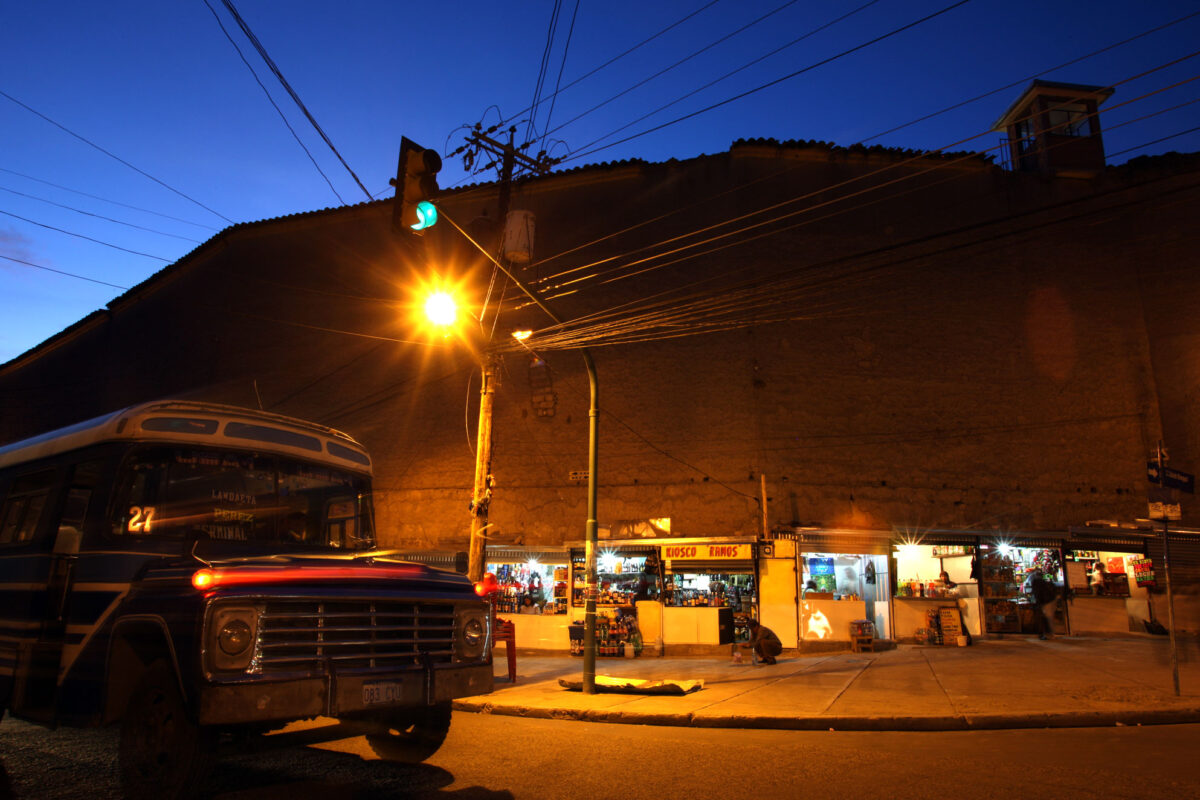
159 86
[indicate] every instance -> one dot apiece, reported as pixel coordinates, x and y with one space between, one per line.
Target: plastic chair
506 632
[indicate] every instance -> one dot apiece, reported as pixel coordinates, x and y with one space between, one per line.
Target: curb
957 722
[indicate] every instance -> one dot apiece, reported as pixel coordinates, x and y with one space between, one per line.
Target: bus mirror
66 543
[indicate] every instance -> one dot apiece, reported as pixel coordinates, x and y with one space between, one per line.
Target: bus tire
163 753
411 735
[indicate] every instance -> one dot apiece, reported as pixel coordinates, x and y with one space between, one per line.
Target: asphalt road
495 758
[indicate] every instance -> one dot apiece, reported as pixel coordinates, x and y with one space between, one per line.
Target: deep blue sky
159 85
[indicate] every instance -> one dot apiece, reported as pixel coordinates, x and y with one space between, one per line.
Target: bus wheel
411 735
163 752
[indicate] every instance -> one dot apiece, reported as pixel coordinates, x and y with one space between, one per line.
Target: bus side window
22 509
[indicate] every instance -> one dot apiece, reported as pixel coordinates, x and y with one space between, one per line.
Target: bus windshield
234 496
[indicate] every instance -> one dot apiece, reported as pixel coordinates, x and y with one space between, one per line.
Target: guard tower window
1069 120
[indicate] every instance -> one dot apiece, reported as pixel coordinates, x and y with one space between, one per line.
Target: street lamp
441 309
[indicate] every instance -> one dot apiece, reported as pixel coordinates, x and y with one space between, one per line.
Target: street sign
1167 511
1171 478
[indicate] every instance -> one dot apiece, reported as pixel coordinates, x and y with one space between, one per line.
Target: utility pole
1162 457
481 495
510 158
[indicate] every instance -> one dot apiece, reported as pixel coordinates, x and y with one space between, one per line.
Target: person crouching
763 641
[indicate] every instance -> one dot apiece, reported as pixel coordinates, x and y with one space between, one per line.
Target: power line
273 103
504 121
262 51
1035 75
531 125
106 200
783 172
678 63
730 74
61 272
774 82
117 158
562 66
81 236
97 216
1156 141
825 189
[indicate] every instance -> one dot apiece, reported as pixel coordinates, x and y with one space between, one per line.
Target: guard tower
1054 128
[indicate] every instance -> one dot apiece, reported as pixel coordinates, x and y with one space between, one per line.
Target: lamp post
590 530
441 309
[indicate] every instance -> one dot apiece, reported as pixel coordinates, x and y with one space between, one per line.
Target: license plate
376 692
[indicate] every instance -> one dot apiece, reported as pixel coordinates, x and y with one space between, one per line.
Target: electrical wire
562 65
531 124
117 158
742 219
97 216
81 236
262 52
61 272
505 121
106 200
784 287
271 100
678 63
769 84
781 173
730 74
1034 76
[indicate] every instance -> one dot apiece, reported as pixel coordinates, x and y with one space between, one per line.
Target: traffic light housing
416 185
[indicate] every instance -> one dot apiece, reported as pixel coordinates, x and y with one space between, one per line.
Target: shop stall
628 605
838 592
1006 575
936 588
709 585
1109 591
532 594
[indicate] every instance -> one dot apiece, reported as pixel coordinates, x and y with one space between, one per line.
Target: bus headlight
232 636
471 634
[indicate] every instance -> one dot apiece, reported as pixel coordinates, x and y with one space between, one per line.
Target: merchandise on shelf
617 635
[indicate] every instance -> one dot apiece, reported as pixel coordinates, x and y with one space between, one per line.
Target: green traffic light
426 216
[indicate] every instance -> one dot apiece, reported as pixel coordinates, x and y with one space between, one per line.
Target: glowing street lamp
441 309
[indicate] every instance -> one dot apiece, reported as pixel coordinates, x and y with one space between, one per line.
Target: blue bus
187 570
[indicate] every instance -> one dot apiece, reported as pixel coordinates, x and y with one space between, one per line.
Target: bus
188 570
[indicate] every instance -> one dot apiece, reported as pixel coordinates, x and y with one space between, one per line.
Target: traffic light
416 184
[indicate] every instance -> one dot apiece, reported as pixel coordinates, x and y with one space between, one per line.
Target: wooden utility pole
481 496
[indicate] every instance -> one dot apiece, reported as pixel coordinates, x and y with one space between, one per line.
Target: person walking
1045 596
763 641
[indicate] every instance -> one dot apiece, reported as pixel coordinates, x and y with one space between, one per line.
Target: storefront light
532 565
608 561
1006 550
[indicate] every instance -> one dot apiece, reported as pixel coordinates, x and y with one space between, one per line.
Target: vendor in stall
947 586
1099 573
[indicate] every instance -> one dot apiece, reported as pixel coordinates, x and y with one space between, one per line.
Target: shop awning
513 554
865 542
1113 540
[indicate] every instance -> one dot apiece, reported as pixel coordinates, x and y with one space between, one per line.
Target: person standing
1098 575
1045 597
763 641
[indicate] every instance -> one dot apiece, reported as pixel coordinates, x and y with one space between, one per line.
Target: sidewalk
1002 683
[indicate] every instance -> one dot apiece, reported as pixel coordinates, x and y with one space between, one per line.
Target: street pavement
1015 682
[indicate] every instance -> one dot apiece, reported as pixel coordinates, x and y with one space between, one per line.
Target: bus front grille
346 636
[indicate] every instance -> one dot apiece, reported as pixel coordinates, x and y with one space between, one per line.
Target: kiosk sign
707 552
